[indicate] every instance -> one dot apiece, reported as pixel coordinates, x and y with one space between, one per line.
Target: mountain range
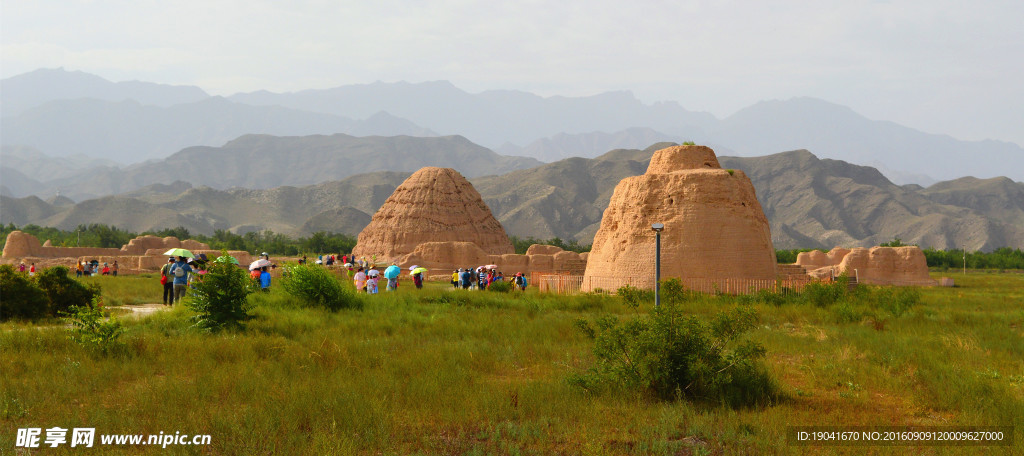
810 202
263 161
65 113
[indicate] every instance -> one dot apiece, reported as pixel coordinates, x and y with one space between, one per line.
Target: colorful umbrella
373 273
179 253
227 259
259 264
392 271
419 271
413 267
491 266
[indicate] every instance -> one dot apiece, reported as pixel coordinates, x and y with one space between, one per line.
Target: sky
948 67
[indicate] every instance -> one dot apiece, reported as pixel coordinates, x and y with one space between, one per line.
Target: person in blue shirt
265 279
179 273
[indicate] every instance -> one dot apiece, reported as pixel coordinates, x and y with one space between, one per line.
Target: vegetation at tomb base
522 244
468 372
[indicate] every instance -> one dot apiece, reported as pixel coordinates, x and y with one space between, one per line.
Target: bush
63 291
501 286
823 294
318 287
20 297
219 297
91 330
634 296
896 300
672 356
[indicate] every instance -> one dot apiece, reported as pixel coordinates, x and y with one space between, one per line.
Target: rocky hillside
809 202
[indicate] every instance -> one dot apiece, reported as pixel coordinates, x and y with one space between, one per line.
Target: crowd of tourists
180 273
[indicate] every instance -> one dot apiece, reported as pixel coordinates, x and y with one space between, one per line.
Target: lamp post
657 227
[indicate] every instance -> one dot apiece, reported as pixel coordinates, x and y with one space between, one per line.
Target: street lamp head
657 227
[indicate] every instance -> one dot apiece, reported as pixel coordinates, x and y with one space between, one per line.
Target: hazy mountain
490 118
809 202
29 90
129 132
261 162
64 113
835 131
587 145
338 206
42 167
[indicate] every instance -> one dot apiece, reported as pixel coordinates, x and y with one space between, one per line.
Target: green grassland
437 371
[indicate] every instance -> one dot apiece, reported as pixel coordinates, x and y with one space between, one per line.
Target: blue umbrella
392 271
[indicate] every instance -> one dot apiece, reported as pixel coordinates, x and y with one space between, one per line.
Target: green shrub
896 300
823 294
672 356
19 296
63 291
501 286
219 298
318 287
91 330
634 296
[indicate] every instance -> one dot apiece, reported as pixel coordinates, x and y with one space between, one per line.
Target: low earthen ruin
874 266
142 254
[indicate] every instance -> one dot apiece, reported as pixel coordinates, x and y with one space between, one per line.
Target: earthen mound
875 266
714 226
432 205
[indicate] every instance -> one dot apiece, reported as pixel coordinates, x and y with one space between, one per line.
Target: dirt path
141 310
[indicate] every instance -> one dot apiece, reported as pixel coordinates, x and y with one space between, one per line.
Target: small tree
318 287
91 330
19 296
64 291
220 297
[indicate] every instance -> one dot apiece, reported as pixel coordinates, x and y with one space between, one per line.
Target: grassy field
436 371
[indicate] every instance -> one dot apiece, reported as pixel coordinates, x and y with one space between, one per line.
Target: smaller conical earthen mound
432 205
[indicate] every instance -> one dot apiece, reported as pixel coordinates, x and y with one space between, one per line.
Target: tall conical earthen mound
432 205
714 226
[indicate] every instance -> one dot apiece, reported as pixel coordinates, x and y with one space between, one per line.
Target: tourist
32 270
481 279
467 278
499 277
417 279
455 279
165 280
106 269
520 281
265 278
371 284
21 267
113 270
360 280
78 269
179 274
392 281
255 274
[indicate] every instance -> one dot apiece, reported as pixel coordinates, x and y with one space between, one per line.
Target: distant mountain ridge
264 161
63 113
810 203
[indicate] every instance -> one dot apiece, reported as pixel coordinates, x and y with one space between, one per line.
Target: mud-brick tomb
436 219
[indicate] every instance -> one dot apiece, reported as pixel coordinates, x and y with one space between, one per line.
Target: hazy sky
953 67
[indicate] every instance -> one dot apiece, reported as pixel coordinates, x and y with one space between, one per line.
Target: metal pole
657 268
965 259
